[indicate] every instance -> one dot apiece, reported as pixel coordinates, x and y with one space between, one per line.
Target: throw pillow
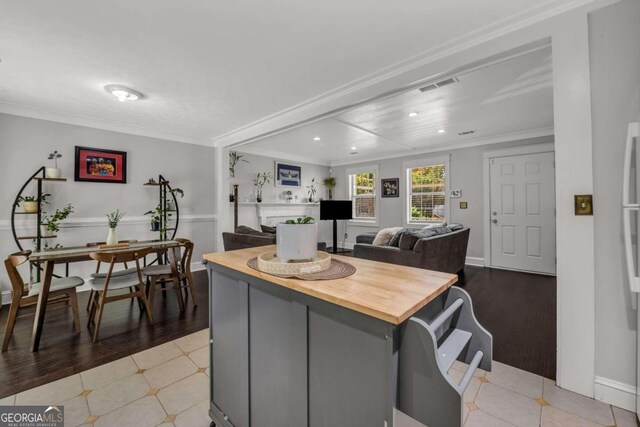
395 240
435 224
455 227
385 235
243 229
267 229
409 238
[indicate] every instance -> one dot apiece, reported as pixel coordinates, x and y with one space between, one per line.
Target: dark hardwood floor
519 309
124 331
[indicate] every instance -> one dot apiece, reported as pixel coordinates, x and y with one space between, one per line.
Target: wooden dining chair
161 274
106 288
97 274
62 290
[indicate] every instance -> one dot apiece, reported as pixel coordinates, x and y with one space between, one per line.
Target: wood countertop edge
363 309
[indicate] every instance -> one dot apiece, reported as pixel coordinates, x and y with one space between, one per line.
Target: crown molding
538 13
91 122
476 142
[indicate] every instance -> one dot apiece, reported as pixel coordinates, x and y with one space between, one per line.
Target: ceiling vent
441 83
467 132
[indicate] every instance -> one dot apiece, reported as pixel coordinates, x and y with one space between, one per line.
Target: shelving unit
165 194
39 177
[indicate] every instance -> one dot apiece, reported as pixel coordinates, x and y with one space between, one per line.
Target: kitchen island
290 352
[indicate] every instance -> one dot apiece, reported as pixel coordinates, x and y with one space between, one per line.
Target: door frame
493 154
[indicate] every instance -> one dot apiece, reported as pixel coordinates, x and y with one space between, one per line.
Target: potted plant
297 239
311 190
31 204
260 180
175 191
330 183
113 219
234 159
155 218
54 172
51 224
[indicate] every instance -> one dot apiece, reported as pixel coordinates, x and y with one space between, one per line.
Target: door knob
495 213
495 221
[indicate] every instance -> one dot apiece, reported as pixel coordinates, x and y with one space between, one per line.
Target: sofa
246 237
444 252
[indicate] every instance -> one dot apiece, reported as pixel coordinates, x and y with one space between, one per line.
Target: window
427 192
363 193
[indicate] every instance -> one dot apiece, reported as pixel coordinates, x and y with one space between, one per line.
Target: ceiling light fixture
123 93
441 131
413 114
317 138
354 148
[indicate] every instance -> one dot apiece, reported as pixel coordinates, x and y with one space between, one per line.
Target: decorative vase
112 237
296 241
259 197
30 207
155 225
54 173
330 194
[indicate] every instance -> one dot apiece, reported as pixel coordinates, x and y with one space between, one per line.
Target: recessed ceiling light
413 114
317 138
123 93
354 148
441 131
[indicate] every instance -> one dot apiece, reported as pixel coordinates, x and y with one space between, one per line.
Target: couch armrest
367 238
233 241
446 252
388 254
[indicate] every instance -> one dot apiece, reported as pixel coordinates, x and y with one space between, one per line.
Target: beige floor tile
76 411
8 401
400 419
169 372
472 389
554 417
108 373
117 394
52 393
173 425
463 367
482 419
515 379
193 342
197 415
156 355
577 404
624 418
207 372
508 405
185 393
145 412
200 357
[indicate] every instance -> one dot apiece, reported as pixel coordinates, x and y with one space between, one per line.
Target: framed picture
99 165
288 175
391 187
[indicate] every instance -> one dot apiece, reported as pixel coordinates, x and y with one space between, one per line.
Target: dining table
68 255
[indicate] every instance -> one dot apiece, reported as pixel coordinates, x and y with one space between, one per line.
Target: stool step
451 348
468 374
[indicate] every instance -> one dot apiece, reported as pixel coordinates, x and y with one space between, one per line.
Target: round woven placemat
338 270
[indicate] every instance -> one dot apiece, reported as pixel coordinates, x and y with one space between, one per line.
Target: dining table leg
174 255
41 308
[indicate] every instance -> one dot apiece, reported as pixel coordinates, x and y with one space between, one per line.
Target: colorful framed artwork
100 165
391 187
288 175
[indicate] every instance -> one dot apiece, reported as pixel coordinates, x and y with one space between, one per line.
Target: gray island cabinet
344 352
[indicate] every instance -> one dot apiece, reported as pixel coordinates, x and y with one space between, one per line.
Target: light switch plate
463 205
583 204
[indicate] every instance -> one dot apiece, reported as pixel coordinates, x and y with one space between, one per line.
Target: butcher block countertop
389 292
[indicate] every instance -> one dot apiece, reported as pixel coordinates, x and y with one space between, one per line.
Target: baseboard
5 297
615 393
475 261
197 266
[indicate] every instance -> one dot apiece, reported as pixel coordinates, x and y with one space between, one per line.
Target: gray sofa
245 237
445 252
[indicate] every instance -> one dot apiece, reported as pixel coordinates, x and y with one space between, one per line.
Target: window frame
361 169
422 163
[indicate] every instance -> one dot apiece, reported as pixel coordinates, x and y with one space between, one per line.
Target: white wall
25 144
614 37
465 173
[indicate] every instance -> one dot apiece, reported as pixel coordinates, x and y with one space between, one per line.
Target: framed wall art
100 165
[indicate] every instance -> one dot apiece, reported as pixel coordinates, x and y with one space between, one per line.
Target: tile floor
167 385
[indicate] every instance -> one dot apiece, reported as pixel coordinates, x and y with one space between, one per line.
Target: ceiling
507 100
209 67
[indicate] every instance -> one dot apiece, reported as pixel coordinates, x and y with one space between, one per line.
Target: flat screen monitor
335 209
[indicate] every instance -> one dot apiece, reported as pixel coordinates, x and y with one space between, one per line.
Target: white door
522 212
